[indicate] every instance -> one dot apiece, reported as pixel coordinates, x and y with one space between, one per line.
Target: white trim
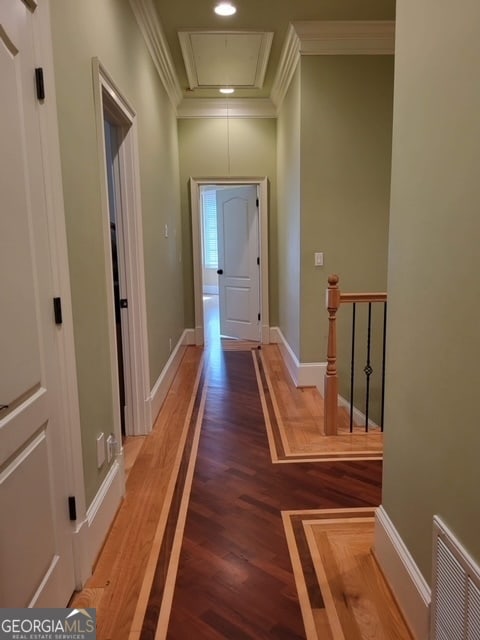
221 107
337 37
136 345
149 23
358 416
262 185
189 337
91 532
286 68
408 585
162 385
307 374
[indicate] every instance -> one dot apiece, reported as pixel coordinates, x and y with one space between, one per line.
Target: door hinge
258 261
40 83
258 202
259 317
72 508
123 303
57 310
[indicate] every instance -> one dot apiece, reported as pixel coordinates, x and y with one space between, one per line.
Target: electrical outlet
111 446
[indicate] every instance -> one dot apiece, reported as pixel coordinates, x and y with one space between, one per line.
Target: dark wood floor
235 578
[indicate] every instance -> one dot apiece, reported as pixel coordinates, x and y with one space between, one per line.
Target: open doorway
230 262
123 244
112 134
230 236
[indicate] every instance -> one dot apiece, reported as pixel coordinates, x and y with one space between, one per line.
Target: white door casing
36 552
238 261
110 102
262 186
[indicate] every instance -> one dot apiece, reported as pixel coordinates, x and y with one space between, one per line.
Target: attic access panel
221 58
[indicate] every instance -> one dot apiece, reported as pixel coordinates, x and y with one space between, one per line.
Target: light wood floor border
294 415
121 572
165 608
142 603
357 603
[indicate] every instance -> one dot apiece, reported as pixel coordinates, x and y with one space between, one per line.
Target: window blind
210 250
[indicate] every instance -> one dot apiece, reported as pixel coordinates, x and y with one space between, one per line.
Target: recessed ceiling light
225 9
227 90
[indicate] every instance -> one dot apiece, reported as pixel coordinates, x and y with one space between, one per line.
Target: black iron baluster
383 361
352 366
368 368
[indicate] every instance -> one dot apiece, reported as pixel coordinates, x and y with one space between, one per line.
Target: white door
36 558
238 262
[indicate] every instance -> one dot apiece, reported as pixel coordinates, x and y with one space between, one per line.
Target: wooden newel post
331 377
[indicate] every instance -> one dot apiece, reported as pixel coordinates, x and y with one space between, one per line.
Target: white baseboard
162 385
358 416
189 337
309 374
408 585
90 534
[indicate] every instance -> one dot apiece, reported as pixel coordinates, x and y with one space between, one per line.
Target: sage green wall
432 439
288 163
107 29
213 147
346 133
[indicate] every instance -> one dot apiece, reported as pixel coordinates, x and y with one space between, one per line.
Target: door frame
108 98
262 190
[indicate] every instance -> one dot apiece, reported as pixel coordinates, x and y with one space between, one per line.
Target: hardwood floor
294 418
345 596
234 575
198 548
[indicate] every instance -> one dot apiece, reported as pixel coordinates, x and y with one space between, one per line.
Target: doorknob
220 272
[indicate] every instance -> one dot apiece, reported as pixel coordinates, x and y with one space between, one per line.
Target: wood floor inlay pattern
294 419
234 577
355 601
159 582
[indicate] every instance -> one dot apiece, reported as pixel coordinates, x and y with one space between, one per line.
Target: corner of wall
408 585
309 374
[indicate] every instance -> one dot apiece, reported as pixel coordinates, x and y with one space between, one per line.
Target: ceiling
207 51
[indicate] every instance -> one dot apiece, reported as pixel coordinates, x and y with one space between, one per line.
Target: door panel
35 534
238 252
24 481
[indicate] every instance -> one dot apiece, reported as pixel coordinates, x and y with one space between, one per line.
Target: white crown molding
316 38
220 108
188 58
152 32
286 67
263 58
373 37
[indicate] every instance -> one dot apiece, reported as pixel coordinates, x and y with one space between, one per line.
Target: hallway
217 516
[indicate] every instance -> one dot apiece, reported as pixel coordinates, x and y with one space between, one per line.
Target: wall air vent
455 590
